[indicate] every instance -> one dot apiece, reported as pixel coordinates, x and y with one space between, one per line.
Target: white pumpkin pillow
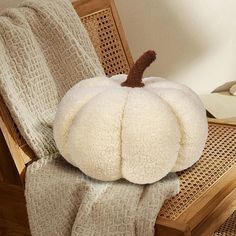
129 127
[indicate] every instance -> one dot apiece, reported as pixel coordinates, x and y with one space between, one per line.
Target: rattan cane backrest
104 28
107 35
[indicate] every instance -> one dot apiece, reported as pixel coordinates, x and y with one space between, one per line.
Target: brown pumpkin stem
134 78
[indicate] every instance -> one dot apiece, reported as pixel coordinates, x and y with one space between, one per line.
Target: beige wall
195 40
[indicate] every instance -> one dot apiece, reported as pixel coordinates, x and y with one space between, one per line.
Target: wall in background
195 40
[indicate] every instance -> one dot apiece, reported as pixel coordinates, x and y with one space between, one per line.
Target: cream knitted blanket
63 201
45 50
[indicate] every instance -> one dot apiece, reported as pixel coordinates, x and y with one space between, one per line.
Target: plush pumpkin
129 127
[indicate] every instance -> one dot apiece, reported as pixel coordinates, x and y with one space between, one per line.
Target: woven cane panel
105 38
228 228
218 156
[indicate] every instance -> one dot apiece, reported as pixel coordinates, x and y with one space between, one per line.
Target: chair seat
206 188
228 228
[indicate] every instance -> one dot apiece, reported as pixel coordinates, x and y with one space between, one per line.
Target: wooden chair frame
218 202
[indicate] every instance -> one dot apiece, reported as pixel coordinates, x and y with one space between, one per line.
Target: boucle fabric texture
63 201
146 132
45 50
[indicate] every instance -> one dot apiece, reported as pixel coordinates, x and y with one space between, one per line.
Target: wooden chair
208 194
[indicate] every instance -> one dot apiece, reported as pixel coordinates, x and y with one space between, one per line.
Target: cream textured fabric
44 52
62 201
221 104
145 132
232 89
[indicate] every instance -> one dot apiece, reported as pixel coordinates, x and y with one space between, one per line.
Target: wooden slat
8 171
228 228
13 147
217 217
169 227
85 7
220 121
204 205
